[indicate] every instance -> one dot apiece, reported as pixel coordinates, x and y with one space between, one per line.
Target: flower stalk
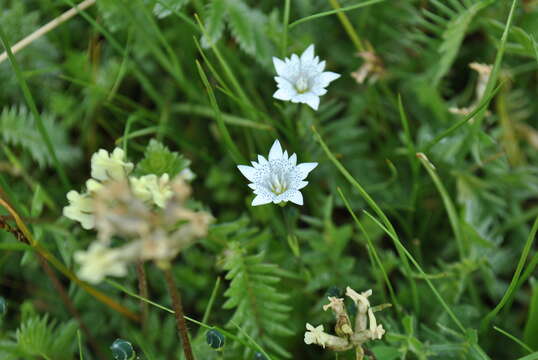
177 305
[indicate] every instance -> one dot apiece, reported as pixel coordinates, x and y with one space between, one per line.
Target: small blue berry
122 350
215 339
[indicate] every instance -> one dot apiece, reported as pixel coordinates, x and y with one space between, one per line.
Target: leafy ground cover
129 231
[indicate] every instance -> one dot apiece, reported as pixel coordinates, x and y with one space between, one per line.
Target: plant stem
69 304
143 291
348 26
178 312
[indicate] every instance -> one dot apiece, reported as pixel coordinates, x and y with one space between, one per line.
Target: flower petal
313 101
301 184
308 55
248 171
295 197
325 78
280 65
276 151
293 159
306 168
262 160
283 94
261 200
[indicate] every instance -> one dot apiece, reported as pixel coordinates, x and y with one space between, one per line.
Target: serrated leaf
159 160
164 8
214 22
248 28
18 128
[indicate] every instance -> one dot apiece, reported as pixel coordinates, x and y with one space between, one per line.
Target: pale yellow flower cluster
148 211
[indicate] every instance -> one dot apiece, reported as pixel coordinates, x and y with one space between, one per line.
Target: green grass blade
533 356
371 202
230 145
332 12
33 108
515 278
481 107
531 327
168 310
285 22
372 250
513 338
229 74
449 205
421 271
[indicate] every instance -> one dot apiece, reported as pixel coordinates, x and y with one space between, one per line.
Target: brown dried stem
143 291
178 311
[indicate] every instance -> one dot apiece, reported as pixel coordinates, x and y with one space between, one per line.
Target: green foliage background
127 71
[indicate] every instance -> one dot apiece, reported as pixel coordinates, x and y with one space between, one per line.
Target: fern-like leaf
248 28
214 22
260 307
41 337
18 128
449 23
247 25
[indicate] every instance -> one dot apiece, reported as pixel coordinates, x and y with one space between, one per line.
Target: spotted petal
248 171
305 168
295 197
276 151
261 200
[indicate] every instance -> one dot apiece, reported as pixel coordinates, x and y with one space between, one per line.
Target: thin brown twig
178 312
143 291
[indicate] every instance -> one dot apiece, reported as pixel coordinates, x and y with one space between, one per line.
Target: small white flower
98 262
302 79
376 332
110 167
80 209
361 300
336 304
314 335
150 188
277 179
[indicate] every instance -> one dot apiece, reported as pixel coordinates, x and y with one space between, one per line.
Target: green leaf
260 307
453 32
248 28
158 160
531 327
214 22
18 128
164 8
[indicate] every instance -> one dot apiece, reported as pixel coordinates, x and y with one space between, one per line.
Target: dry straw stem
47 27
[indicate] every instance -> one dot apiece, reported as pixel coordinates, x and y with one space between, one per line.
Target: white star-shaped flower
277 179
302 79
